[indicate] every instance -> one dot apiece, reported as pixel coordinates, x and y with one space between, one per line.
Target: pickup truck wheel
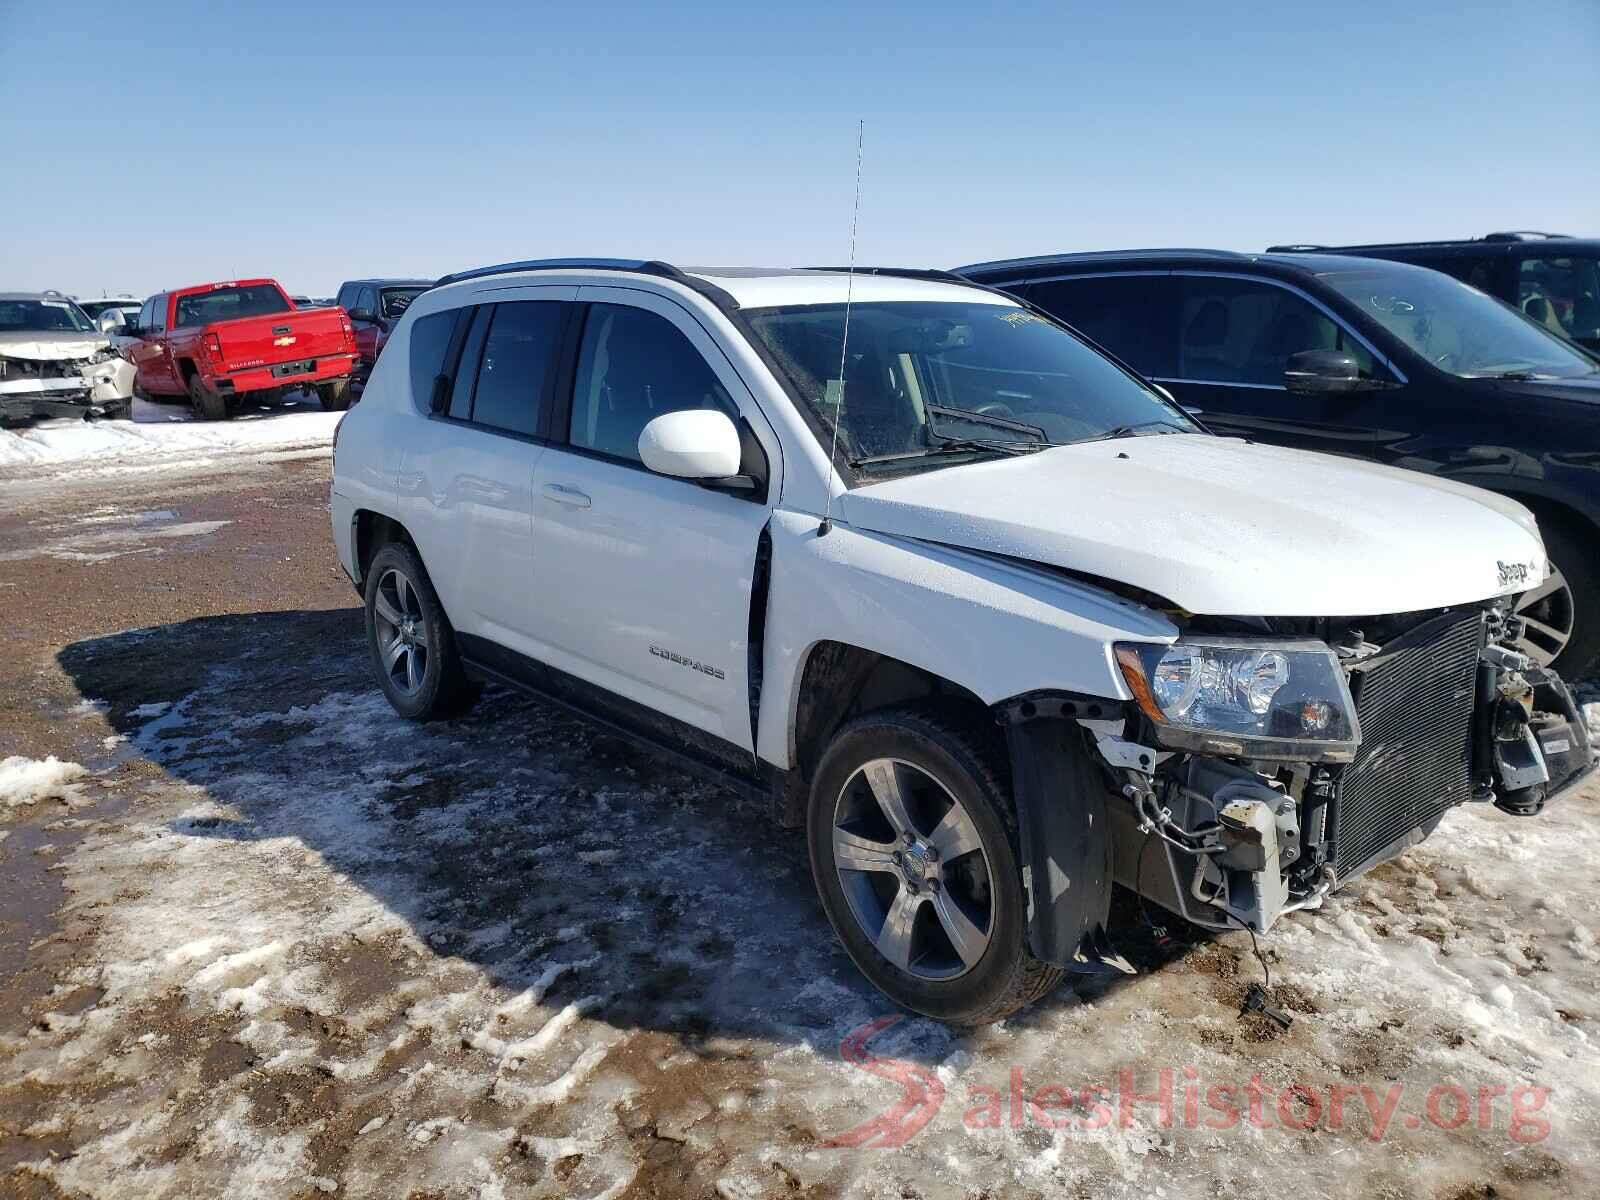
413 647
335 395
1562 615
210 405
914 853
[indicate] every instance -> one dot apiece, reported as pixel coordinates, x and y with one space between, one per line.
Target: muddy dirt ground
276 942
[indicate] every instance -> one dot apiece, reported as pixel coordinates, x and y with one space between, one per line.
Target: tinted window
1240 331
633 367
1458 329
147 315
346 299
1131 316
1562 294
397 300
1477 271
158 313
516 358
368 299
430 340
226 303
467 371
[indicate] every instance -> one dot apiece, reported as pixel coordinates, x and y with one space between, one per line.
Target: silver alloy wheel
402 631
913 869
1548 614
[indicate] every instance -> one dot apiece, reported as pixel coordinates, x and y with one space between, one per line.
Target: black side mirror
1321 372
362 314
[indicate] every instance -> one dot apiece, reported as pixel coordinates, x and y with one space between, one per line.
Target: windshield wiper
1122 431
951 446
978 418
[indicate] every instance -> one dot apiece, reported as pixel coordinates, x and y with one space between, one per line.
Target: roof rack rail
1295 248
932 273
1521 235
642 266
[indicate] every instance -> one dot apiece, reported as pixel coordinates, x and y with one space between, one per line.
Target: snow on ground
512 956
161 435
28 780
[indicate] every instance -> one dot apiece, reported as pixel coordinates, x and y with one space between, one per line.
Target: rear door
467 486
645 580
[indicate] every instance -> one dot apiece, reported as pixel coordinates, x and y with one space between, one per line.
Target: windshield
924 377
397 300
42 316
226 303
1457 328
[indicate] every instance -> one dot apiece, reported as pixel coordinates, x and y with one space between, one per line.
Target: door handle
563 494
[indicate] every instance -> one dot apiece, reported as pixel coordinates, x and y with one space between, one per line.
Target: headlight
1245 697
104 354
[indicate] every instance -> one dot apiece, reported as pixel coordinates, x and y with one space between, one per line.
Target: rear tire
412 645
208 405
335 394
967 967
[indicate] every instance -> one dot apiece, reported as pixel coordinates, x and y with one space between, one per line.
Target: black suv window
1243 331
1562 294
1133 316
633 367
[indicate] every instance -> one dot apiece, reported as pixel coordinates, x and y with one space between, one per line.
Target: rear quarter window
430 342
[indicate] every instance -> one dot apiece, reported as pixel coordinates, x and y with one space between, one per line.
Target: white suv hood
1225 527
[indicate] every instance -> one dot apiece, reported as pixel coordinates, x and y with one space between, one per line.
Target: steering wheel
995 408
1444 358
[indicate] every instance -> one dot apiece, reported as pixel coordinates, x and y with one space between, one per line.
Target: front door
645 580
1234 340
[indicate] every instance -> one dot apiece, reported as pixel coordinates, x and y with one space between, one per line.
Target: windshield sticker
1020 316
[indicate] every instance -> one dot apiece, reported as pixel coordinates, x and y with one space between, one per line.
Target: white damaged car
54 362
992 618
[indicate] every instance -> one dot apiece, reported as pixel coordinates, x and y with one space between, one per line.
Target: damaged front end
1263 764
38 382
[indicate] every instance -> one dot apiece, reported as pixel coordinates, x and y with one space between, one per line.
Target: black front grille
1415 702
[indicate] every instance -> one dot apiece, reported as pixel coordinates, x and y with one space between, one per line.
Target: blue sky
149 146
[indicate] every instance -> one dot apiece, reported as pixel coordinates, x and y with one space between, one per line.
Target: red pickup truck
216 342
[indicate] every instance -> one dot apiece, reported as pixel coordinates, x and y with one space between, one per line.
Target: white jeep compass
990 616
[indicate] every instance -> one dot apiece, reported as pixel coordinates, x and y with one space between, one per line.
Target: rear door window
467 372
518 352
1133 316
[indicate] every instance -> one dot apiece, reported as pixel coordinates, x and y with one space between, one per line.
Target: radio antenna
844 341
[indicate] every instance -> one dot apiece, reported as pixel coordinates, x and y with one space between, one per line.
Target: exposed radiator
1415 702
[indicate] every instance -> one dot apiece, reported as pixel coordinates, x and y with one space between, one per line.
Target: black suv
1553 278
1379 360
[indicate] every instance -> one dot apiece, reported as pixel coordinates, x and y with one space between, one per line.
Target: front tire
412 645
913 848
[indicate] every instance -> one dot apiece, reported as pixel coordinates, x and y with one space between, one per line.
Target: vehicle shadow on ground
513 837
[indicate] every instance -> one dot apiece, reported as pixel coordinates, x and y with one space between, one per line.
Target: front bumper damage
1449 715
31 387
